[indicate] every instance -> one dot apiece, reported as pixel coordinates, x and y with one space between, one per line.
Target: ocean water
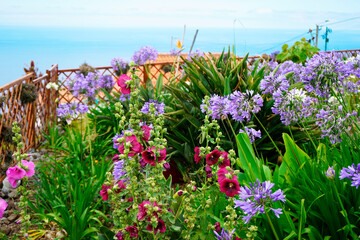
70 47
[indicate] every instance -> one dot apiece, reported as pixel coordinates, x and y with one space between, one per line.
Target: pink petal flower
125 89
135 148
3 206
15 173
197 155
104 192
230 186
30 166
226 160
213 157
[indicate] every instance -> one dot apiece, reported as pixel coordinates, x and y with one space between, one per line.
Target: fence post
145 74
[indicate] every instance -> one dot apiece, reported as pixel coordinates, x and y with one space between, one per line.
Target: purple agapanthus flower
353 173
241 105
145 54
159 107
175 52
252 133
217 108
225 235
253 200
124 97
118 63
71 110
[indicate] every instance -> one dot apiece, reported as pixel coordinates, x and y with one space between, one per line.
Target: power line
280 44
341 21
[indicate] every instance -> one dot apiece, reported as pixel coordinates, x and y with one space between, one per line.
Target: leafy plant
298 53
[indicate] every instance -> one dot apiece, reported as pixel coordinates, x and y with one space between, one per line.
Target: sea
70 47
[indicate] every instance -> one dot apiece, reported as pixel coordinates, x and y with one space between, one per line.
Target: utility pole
325 36
317 35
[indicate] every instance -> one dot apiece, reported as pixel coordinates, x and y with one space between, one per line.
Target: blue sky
280 14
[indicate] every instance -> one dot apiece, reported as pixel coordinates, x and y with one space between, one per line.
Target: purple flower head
225 235
217 107
197 54
241 105
252 133
119 171
124 97
159 107
71 110
145 54
119 64
330 173
175 52
353 173
253 200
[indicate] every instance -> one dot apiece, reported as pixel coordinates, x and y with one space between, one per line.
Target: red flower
143 210
125 89
104 192
135 148
230 186
221 174
197 155
146 134
133 231
213 157
149 156
115 158
120 236
208 171
160 227
121 186
217 227
226 161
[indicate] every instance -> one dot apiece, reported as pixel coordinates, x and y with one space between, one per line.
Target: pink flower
30 168
230 186
14 174
146 134
221 174
226 161
149 156
132 230
135 148
197 154
115 158
104 192
143 210
160 227
121 186
213 157
217 227
125 89
3 206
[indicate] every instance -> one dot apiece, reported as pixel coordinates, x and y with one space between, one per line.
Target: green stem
272 226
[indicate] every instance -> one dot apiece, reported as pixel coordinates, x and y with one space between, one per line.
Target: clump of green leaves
298 53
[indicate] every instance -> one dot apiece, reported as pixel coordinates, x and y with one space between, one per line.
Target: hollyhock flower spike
150 157
14 174
230 186
197 157
125 88
30 168
213 157
3 206
135 148
146 134
104 192
133 231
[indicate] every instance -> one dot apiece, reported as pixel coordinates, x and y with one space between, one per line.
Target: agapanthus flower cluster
89 85
144 55
225 235
198 53
353 173
120 66
175 52
253 200
159 107
334 122
324 73
241 105
217 108
252 133
71 110
25 169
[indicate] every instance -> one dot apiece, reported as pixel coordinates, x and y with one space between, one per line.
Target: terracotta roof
166 57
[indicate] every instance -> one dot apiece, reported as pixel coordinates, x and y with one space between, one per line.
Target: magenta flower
217 227
104 192
226 161
230 186
160 227
143 209
221 174
146 134
213 157
135 148
125 88
197 154
30 168
133 231
14 174
3 206
121 186
149 156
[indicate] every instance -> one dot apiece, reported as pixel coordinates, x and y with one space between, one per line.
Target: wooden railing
35 117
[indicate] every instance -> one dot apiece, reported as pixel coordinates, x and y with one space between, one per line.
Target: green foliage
298 53
70 181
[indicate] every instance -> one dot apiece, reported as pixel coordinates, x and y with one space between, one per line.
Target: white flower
52 85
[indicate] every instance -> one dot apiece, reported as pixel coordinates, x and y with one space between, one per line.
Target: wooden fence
35 117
